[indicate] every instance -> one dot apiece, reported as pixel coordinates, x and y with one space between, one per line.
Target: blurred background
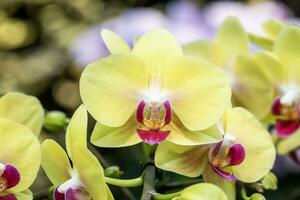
45 44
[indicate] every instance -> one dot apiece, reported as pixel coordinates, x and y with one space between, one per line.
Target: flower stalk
125 182
149 183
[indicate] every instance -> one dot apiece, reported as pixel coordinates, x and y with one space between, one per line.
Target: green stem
166 196
125 182
149 182
244 194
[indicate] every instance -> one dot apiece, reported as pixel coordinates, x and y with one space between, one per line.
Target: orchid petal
110 88
257 143
272 28
114 42
288 144
198 91
287 47
261 42
55 162
228 187
20 148
233 38
77 129
25 195
157 48
90 172
206 50
272 67
24 109
254 89
126 135
182 136
109 194
186 160
203 191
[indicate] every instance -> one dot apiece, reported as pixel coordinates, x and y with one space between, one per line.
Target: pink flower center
9 177
153 116
72 189
8 197
287 117
223 155
71 194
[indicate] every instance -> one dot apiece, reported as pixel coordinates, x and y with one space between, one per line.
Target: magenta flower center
9 178
153 116
287 117
71 194
8 197
223 155
71 190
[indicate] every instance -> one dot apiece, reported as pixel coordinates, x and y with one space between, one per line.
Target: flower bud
269 182
55 121
257 196
113 172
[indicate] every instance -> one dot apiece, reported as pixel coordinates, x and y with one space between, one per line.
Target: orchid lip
226 154
285 128
223 174
57 195
8 197
70 190
9 178
287 118
70 194
76 194
153 117
153 136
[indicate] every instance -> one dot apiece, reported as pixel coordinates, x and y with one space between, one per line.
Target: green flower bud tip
269 182
50 192
113 172
55 121
257 196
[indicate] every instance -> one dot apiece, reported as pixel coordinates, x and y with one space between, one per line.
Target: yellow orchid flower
274 79
230 50
85 180
153 93
246 153
20 159
24 109
250 80
230 41
281 67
